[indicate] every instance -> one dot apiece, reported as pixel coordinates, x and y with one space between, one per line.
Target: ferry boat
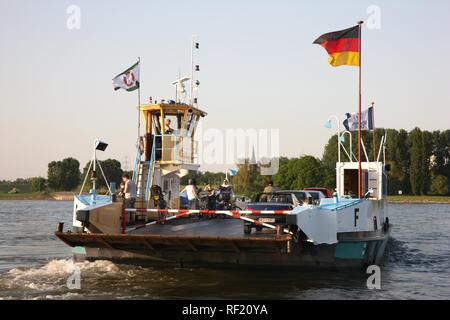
340 231
337 232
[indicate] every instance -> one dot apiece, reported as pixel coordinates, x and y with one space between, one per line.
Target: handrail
347 205
136 163
379 151
236 214
150 171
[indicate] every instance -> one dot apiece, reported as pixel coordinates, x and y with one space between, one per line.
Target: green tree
203 178
441 153
212 178
427 142
112 169
398 157
446 139
64 175
417 151
440 185
38 184
403 159
248 180
329 159
300 173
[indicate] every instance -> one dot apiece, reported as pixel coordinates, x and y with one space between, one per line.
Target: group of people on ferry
208 197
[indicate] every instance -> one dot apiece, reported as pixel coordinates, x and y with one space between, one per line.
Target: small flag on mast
128 80
351 123
342 46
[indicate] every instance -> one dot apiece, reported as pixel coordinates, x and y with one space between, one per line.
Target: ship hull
266 250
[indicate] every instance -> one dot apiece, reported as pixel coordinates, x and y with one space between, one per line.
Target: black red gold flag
343 46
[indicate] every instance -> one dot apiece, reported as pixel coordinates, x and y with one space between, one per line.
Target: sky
259 69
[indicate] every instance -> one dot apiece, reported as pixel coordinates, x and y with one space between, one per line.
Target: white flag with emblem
351 123
128 80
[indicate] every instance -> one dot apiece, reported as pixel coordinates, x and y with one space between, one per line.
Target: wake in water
401 253
100 279
104 279
52 278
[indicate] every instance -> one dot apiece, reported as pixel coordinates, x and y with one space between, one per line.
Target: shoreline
419 199
55 196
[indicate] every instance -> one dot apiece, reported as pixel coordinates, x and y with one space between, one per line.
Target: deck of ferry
184 234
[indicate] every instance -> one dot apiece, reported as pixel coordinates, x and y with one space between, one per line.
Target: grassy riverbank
58 195
419 199
26 196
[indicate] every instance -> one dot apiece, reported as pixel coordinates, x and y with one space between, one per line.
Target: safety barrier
237 214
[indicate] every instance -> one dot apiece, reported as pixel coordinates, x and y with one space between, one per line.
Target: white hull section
323 224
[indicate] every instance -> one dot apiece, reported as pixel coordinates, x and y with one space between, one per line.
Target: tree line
65 175
419 160
419 164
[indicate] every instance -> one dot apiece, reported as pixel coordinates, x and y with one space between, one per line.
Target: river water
34 264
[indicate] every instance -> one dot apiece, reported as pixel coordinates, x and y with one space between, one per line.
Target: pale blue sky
259 69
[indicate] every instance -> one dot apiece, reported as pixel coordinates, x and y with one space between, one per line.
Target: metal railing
151 167
179 213
136 163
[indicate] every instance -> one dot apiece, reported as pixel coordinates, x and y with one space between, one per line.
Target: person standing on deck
192 195
269 188
129 191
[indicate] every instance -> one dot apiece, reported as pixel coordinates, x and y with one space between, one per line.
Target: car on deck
316 196
268 201
325 191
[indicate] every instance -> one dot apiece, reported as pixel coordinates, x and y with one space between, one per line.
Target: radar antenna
180 90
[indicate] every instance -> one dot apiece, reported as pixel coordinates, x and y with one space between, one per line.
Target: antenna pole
139 101
359 115
192 71
374 138
94 176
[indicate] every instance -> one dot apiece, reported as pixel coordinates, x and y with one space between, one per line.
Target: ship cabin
373 173
373 178
165 153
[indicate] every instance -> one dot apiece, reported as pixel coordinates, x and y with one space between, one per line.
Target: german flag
342 46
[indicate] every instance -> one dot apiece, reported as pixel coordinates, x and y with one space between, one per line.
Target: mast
192 72
139 102
194 68
360 23
94 175
374 134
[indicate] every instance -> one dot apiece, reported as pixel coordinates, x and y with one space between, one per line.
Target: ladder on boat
143 174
